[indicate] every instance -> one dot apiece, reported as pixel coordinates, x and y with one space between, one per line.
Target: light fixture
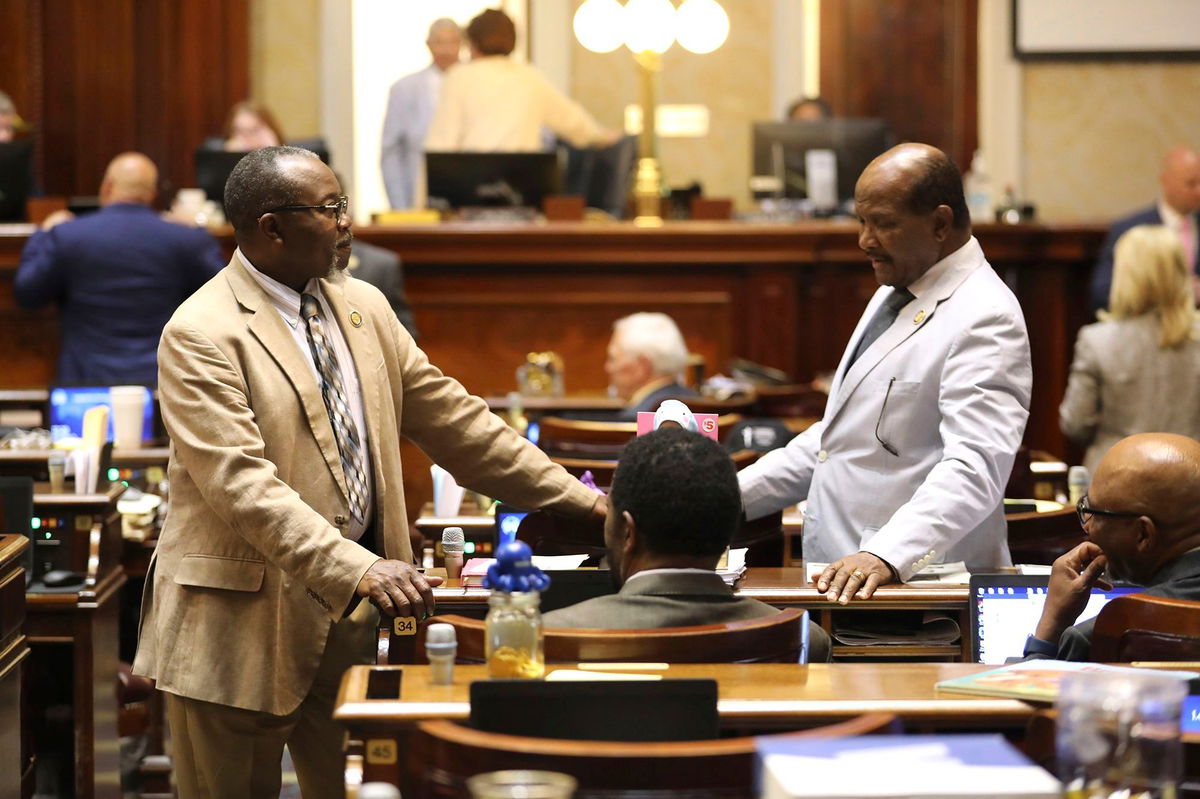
649 28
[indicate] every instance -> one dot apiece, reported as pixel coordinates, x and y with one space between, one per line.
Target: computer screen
1005 610
512 180
69 403
16 178
780 149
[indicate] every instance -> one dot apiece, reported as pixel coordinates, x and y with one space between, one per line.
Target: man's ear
1146 535
943 222
631 540
268 225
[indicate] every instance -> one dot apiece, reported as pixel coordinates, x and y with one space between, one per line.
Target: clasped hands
854 576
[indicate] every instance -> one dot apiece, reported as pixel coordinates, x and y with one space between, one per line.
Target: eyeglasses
339 209
1085 512
879 421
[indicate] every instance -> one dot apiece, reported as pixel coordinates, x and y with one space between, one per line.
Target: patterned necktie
334 394
881 321
1188 243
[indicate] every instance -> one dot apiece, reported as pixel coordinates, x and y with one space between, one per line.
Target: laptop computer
1005 609
601 710
69 403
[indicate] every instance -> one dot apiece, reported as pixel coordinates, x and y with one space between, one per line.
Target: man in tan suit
285 387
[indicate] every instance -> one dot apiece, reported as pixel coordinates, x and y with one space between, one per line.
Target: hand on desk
398 589
1071 580
861 572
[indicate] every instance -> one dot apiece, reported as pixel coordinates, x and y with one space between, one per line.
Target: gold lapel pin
919 317
356 318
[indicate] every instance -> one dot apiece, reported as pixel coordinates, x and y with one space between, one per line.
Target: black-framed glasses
880 420
339 208
1085 512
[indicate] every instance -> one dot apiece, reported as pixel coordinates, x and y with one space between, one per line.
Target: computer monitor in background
780 148
214 165
505 180
69 403
16 178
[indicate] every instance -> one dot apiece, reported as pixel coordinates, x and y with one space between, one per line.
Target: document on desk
943 573
912 766
585 675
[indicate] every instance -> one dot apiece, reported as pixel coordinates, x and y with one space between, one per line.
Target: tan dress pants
223 752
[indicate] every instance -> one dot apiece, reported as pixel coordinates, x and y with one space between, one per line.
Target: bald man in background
1177 207
116 275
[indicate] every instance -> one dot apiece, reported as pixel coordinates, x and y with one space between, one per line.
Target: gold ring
859 574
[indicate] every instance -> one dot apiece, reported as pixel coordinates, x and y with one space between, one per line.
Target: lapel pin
356 318
919 317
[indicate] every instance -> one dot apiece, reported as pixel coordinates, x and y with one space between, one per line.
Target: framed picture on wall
1106 29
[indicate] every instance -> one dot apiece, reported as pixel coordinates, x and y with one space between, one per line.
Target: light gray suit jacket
674 599
411 103
947 386
1123 383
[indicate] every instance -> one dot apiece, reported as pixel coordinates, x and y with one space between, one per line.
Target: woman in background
1138 369
251 125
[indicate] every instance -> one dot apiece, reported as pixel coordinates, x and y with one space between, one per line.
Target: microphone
441 647
452 550
675 412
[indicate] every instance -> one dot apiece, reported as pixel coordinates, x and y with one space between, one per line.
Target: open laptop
1005 609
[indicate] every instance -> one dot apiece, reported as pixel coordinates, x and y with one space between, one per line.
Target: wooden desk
15 751
785 588
74 638
751 697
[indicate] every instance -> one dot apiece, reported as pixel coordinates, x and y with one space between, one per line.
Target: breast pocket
898 425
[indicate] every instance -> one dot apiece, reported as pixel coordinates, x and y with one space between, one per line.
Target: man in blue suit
411 103
1176 208
117 276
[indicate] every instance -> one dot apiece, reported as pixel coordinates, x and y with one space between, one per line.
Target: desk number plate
404 625
381 751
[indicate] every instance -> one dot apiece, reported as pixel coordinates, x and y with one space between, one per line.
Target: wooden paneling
912 62
98 77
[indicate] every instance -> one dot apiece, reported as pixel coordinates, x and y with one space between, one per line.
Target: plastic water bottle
514 619
1078 480
977 185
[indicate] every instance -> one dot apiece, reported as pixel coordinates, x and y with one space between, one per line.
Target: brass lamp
649 28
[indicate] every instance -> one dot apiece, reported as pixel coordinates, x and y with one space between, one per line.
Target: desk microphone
452 550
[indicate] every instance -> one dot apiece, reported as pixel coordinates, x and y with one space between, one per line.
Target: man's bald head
1180 180
130 178
1156 475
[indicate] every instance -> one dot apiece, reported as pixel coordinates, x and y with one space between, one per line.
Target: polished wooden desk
15 751
751 698
785 588
74 636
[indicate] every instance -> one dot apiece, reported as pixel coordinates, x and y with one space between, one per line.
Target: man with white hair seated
646 358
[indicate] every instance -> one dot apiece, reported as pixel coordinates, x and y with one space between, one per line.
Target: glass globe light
649 25
598 25
701 26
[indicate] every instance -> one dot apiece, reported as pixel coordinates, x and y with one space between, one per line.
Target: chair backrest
724 768
797 399
575 438
771 639
602 469
1041 537
1143 627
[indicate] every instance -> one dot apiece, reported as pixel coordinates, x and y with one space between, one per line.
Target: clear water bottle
1118 735
514 619
1078 480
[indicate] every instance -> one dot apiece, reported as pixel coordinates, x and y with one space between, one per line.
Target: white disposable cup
129 407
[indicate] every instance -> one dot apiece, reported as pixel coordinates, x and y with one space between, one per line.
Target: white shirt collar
960 256
649 572
285 298
1170 217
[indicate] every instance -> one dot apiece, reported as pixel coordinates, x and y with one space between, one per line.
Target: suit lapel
267 326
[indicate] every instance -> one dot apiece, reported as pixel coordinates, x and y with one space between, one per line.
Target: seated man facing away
1143 520
673 509
646 356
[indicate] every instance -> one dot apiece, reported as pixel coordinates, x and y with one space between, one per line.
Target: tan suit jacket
1122 382
252 567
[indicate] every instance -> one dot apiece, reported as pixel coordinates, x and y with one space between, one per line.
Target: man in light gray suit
411 103
673 509
928 406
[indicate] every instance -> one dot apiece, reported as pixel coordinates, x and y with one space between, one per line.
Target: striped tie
332 391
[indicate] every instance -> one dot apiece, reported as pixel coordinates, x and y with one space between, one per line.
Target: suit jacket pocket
212 571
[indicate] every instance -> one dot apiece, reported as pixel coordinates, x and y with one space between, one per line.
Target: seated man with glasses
1142 519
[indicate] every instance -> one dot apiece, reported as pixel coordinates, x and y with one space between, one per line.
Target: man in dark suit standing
673 510
117 276
1176 208
381 268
